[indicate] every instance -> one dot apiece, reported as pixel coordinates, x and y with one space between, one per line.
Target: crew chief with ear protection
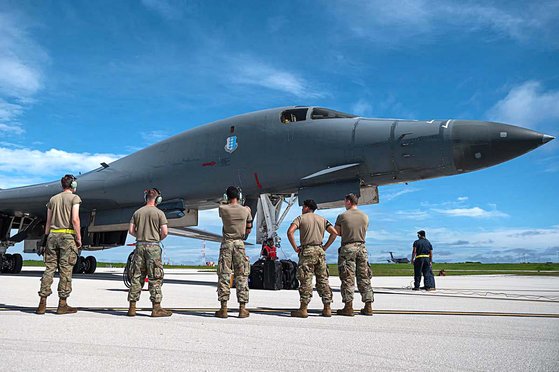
149 226
63 239
237 223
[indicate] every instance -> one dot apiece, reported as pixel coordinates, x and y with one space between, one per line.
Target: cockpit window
322 113
289 116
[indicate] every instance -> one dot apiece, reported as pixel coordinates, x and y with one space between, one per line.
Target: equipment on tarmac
11 263
273 275
85 265
289 277
126 274
256 276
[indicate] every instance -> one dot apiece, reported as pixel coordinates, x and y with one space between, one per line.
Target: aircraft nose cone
478 144
546 138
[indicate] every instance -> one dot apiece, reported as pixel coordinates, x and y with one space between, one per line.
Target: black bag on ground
289 269
256 276
273 275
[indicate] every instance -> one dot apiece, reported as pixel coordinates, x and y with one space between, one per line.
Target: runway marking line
284 310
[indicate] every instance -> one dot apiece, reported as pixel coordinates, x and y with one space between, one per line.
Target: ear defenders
158 198
241 200
74 184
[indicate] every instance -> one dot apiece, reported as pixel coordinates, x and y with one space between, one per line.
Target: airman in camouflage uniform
237 223
149 226
312 257
353 259
62 230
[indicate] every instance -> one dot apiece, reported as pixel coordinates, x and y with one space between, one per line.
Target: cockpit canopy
301 113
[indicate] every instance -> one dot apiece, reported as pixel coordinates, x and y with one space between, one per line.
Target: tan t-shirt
311 228
354 224
148 221
235 218
61 206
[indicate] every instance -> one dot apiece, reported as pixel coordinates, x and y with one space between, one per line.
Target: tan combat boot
368 309
243 312
63 307
158 312
42 308
327 311
132 309
222 312
347 310
301 313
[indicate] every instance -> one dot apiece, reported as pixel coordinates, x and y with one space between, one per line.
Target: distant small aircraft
398 260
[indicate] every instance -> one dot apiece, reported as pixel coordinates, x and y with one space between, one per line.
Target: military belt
148 243
311 245
63 231
355 242
422 256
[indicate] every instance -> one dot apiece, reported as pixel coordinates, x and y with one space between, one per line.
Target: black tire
90 264
7 264
18 263
79 266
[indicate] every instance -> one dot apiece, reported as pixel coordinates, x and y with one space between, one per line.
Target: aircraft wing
189 232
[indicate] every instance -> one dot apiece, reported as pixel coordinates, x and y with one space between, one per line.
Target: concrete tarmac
494 322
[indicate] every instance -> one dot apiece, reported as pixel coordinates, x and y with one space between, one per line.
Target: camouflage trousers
233 259
353 260
146 262
312 260
61 253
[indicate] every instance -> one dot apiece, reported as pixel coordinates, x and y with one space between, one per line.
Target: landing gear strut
85 265
269 216
11 263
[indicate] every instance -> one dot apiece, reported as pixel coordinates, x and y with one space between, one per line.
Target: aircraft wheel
79 266
7 264
18 263
90 264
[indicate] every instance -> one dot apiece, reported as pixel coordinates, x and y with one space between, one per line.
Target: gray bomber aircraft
274 156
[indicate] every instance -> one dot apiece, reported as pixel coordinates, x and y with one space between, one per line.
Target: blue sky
83 82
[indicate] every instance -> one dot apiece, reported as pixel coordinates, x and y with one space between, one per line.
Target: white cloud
413 215
251 72
362 108
462 198
528 105
11 129
154 136
9 111
21 76
164 8
397 22
474 212
397 194
25 164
